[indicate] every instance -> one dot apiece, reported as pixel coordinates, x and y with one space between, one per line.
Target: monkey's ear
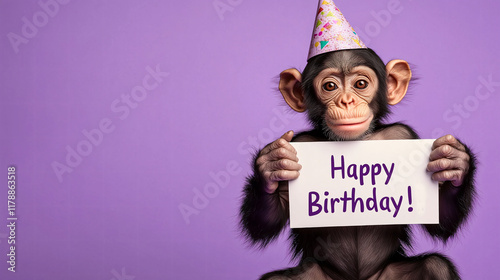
291 88
398 79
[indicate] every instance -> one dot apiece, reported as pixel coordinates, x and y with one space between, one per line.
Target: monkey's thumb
288 135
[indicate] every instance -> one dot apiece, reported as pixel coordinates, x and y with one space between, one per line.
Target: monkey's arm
264 211
263 215
454 165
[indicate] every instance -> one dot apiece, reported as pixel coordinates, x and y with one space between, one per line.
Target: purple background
116 215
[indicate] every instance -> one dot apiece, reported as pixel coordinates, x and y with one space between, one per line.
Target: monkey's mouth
357 124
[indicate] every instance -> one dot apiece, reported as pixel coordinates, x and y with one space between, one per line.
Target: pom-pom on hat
332 32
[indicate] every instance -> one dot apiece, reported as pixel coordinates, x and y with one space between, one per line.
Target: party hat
332 32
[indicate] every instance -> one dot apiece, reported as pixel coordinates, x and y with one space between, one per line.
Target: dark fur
353 252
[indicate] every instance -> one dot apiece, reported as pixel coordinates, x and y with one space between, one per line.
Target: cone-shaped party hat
332 32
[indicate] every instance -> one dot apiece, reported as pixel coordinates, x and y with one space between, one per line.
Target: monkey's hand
454 166
264 211
277 162
449 161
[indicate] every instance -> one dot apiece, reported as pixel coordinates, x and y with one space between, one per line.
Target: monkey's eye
329 86
361 84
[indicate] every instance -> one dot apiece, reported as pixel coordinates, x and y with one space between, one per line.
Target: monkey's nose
347 101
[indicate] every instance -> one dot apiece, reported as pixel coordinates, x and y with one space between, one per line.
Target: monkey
347 94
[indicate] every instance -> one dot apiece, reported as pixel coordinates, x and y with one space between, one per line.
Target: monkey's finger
288 136
283 141
284 164
271 187
266 165
447 151
447 164
456 177
286 152
283 175
278 154
448 140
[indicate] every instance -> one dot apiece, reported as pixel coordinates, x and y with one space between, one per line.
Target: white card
363 183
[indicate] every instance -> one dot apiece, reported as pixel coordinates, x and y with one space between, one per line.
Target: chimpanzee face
346 93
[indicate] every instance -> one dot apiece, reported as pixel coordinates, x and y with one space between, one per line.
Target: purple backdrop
117 114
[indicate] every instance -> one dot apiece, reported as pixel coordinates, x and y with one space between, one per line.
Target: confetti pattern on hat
332 32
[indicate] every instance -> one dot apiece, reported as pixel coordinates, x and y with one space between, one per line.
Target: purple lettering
352 171
376 169
396 205
314 204
341 168
384 204
326 202
389 173
355 202
373 201
363 171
